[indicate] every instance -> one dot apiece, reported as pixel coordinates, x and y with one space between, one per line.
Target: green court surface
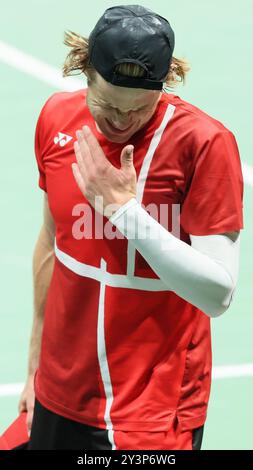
215 36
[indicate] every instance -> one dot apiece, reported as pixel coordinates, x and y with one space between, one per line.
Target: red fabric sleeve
41 135
213 203
38 151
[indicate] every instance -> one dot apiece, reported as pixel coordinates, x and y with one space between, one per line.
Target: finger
84 149
29 418
95 149
82 163
78 178
126 158
22 407
29 421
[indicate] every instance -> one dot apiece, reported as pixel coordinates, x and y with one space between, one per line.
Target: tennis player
139 248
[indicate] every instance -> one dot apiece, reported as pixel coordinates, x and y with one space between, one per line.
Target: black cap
132 33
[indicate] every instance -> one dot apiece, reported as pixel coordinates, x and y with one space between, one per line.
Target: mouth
115 129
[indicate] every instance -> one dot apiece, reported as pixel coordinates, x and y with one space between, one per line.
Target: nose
120 126
122 121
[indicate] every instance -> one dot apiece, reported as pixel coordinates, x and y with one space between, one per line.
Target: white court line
232 371
219 372
9 390
52 76
38 69
247 174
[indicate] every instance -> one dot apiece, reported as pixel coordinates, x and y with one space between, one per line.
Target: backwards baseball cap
132 34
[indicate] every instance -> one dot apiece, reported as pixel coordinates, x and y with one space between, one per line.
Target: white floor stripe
247 171
38 69
9 390
219 372
52 76
233 371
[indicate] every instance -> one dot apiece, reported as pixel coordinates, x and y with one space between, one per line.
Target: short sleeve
38 151
41 136
214 200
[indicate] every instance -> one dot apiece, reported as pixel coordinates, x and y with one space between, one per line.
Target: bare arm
43 263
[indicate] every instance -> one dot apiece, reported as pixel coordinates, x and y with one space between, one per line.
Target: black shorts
51 431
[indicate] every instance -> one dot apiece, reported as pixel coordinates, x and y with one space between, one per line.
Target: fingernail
86 130
78 134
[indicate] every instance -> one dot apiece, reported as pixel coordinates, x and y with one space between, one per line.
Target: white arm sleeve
204 273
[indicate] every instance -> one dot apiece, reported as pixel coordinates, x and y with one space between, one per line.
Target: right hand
26 402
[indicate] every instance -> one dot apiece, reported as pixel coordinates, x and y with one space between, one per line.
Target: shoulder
58 110
61 103
194 122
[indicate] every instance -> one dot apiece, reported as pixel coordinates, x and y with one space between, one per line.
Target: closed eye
116 109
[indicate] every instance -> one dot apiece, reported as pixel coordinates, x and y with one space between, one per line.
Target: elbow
220 304
220 297
217 310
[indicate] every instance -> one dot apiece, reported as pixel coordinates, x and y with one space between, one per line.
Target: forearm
191 274
35 345
43 262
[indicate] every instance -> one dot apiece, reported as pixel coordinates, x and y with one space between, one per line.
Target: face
120 112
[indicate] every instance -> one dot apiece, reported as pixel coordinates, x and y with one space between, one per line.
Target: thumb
127 156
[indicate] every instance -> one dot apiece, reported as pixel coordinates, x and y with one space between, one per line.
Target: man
125 358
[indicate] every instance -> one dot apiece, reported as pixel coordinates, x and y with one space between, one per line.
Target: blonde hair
78 58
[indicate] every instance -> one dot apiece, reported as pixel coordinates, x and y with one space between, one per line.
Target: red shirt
118 350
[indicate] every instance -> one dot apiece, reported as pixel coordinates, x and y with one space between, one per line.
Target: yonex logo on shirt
62 139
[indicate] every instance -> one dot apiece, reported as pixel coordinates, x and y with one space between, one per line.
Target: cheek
95 109
146 116
99 114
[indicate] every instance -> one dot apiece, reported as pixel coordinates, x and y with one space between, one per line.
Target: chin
117 139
